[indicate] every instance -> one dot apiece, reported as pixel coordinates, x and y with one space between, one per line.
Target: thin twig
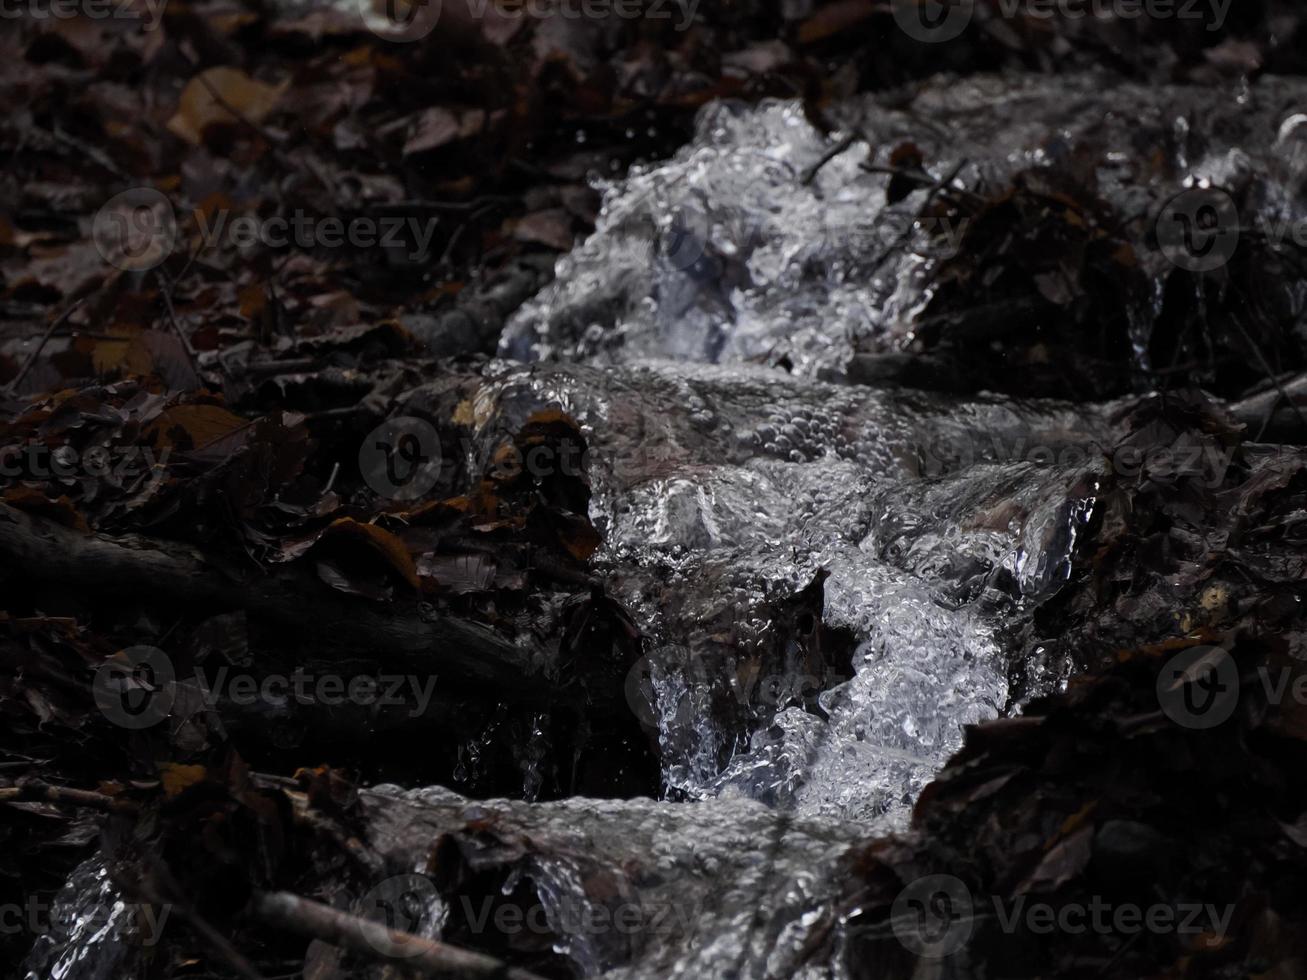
1270 372
49 331
159 887
167 288
447 254
372 939
919 177
275 143
236 113
35 791
219 943
906 233
844 143
91 153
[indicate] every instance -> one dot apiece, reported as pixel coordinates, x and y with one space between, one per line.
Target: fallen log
1275 413
36 549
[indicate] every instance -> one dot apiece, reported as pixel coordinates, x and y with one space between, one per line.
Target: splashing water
939 519
729 485
87 935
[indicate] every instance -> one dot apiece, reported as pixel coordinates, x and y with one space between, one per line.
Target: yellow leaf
127 355
252 99
177 777
465 413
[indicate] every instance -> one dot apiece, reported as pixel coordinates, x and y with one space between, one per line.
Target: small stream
703 338
709 509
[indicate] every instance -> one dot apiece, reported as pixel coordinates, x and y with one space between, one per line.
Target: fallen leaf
177 777
61 509
552 227
833 19
389 547
433 128
201 424
198 107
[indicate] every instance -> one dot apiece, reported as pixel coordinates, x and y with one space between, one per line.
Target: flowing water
718 487
702 337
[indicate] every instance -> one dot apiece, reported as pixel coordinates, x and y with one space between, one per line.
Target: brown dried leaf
833 19
200 424
1061 863
552 227
198 108
437 126
60 510
177 777
386 545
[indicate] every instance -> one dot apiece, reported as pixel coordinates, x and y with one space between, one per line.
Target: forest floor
233 236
